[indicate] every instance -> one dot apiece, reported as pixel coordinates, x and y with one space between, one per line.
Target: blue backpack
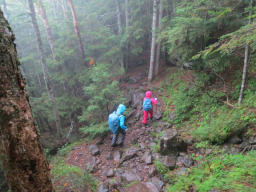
147 105
113 122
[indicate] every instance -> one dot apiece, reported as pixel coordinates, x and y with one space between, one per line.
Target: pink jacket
148 95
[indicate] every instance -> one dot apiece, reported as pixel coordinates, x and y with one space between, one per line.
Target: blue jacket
120 110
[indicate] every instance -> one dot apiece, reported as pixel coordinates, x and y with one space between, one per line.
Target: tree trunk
25 166
173 7
126 31
45 69
48 29
118 14
76 29
153 42
5 9
245 62
158 46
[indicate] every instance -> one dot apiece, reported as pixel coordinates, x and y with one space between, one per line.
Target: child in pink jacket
148 103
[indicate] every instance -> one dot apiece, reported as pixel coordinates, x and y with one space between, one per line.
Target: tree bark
25 166
126 14
118 14
76 29
126 31
153 42
45 69
245 62
48 29
158 46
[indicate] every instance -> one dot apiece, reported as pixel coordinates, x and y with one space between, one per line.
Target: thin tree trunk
45 69
25 166
173 7
245 62
64 8
153 42
118 14
76 29
48 29
5 9
126 31
158 46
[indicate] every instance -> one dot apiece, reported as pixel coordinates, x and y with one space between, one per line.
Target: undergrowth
235 173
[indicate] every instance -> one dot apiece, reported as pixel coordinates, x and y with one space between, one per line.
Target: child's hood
121 108
148 94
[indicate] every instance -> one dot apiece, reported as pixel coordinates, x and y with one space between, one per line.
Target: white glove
156 99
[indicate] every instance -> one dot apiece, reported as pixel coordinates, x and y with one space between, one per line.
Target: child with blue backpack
116 121
148 103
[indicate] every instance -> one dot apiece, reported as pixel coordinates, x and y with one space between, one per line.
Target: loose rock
129 177
110 173
147 157
94 150
129 154
158 183
169 161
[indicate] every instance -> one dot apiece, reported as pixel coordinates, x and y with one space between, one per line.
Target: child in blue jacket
117 125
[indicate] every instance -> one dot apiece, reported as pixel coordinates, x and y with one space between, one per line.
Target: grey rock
252 140
94 150
129 177
110 173
184 161
129 154
103 188
169 161
172 116
92 166
110 156
158 115
170 143
147 157
137 187
181 171
158 183
152 171
117 156
152 187
234 140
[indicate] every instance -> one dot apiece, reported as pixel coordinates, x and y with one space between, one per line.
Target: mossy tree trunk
25 166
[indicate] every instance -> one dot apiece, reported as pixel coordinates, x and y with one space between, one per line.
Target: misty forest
128 95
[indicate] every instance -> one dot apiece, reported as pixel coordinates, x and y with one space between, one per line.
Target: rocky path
130 167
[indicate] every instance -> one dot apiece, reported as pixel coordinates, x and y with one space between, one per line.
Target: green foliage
103 93
224 123
94 131
225 172
160 167
72 178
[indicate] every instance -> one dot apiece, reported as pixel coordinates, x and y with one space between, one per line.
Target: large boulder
170 143
94 150
158 183
128 177
169 161
129 154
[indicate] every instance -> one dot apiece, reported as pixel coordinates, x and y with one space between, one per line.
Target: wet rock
103 188
235 140
119 172
152 171
137 187
117 156
110 173
152 187
137 98
109 156
158 183
170 143
181 171
158 115
184 161
129 177
164 125
129 154
92 166
252 140
169 161
147 158
142 146
94 150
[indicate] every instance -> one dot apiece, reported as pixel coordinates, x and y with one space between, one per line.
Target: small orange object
91 62
50 166
65 184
